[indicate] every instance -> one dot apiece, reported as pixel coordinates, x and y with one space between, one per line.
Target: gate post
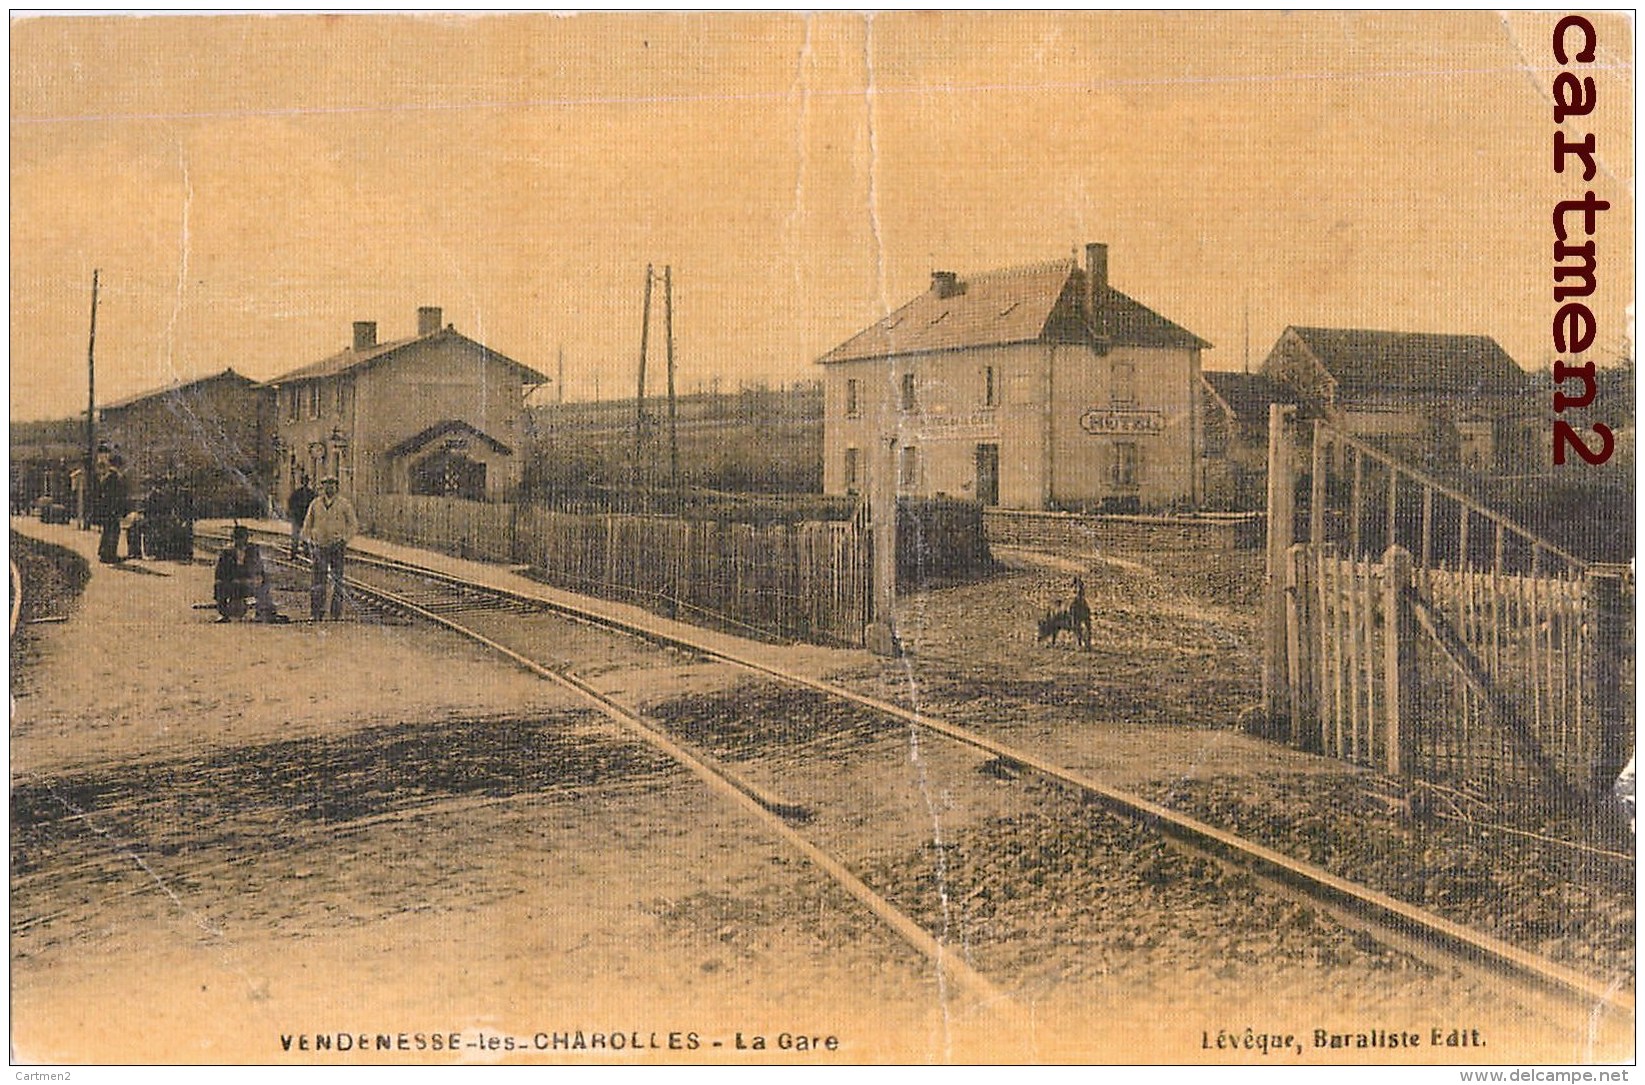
1607 602
881 634
1281 512
1399 646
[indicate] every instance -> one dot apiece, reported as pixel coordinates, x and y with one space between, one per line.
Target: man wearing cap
328 526
241 573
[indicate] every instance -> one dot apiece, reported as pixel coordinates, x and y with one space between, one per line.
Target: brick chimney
1096 287
428 319
365 334
945 284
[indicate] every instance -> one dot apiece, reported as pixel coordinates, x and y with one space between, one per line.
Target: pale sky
251 185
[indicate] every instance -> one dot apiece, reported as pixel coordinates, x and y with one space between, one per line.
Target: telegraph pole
91 410
673 431
639 395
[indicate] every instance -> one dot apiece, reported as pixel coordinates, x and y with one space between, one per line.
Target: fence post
1281 511
1399 646
1296 601
1608 603
1316 485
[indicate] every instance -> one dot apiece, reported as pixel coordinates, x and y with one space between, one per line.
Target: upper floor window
314 400
853 397
908 391
990 387
1122 385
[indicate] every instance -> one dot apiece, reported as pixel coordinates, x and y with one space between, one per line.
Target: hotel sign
1117 422
970 425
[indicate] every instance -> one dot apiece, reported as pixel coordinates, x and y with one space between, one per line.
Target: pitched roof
1380 361
175 389
1247 395
441 429
347 360
1009 305
1131 323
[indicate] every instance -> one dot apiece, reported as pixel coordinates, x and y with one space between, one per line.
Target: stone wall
1075 533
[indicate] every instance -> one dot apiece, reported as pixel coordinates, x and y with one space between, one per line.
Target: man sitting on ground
241 574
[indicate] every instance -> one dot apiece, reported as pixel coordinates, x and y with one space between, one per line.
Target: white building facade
1039 387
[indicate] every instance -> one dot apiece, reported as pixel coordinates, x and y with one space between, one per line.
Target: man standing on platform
297 509
328 527
108 504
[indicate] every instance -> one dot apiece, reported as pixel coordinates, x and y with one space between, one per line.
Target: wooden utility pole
673 430
91 410
639 395
559 382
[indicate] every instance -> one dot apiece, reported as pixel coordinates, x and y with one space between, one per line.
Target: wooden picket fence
803 581
1486 682
1417 632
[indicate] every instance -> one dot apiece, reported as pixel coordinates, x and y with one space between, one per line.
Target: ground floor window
908 467
853 469
1127 465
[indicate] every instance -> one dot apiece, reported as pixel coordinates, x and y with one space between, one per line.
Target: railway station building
433 413
1037 387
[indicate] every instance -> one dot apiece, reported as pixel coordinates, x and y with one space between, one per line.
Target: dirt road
260 844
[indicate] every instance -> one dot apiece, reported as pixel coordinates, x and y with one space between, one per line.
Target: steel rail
949 964
16 597
1399 921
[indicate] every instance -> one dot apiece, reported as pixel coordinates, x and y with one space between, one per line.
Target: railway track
481 613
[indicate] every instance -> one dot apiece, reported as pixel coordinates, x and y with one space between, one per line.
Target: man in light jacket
328 526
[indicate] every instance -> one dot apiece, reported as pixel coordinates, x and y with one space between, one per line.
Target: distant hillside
758 440
52 439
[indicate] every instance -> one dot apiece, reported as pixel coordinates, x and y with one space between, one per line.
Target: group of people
322 523
163 527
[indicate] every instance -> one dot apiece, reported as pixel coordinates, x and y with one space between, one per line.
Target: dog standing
1074 619
1079 616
